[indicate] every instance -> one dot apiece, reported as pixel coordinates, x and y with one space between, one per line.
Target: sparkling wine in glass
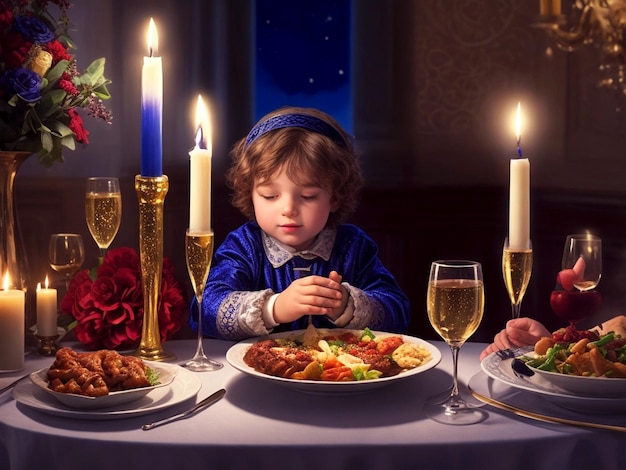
103 210
455 304
517 266
66 254
199 252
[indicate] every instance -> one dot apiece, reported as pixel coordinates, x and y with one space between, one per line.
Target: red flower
109 310
77 126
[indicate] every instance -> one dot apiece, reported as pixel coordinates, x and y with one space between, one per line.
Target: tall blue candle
152 109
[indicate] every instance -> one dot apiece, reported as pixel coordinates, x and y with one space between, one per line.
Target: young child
296 176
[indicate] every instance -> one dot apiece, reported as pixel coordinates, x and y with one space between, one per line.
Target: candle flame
518 123
6 280
203 125
153 39
46 282
39 286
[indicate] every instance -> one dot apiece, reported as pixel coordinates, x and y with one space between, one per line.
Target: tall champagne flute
66 254
103 210
455 303
517 266
199 252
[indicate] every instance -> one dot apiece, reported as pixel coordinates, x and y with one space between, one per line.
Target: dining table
268 424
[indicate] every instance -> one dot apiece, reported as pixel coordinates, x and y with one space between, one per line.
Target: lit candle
11 327
549 7
519 199
46 310
200 173
152 108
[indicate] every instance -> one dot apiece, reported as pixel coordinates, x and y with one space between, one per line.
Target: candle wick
150 51
519 148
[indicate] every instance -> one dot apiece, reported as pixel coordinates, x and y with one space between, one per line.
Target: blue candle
152 109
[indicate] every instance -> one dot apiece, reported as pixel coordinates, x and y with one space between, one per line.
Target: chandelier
600 23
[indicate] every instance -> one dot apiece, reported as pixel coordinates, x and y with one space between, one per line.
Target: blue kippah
305 121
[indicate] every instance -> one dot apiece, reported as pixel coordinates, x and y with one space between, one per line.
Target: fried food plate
235 355
165 373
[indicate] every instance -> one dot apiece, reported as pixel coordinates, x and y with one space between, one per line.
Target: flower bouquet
107 303
41 88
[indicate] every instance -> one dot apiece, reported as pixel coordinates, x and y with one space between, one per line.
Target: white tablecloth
266 426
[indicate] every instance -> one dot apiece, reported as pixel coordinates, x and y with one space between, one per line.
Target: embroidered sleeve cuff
347 314
268 312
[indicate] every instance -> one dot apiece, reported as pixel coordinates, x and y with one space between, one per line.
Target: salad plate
235 355
500 369
184 386
164 372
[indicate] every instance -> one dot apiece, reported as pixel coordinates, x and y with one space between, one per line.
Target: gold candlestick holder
151 192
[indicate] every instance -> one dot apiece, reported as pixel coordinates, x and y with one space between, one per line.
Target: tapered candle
519 198
46 310
152 108
11 327
200 173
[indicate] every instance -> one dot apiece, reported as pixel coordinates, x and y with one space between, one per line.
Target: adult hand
518 332
311 295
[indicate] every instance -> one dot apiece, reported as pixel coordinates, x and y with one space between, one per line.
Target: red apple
573 305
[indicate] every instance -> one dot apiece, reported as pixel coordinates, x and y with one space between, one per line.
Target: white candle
46 311
152 109
11 327
519 198
200 173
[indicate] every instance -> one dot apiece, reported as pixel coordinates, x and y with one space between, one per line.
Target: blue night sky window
303 56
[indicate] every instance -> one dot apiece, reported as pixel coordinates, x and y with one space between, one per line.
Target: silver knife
14 383
208 401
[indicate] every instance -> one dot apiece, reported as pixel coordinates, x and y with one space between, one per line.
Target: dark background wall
435 83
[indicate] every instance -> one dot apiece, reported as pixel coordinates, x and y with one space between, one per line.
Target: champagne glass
581 270
103 210
66 254
199 252
517 265
455 303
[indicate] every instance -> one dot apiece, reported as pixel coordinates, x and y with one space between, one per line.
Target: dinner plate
165 374
536 405
235 354
184 386
500 369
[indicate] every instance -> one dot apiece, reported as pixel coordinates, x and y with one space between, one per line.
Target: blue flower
22 82
33 29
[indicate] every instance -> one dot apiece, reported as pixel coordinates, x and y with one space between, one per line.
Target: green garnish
153 376
367 333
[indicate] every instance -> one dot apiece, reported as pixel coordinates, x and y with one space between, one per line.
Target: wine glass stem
455 360
515 309
199 347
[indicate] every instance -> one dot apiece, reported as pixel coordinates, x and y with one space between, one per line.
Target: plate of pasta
333 361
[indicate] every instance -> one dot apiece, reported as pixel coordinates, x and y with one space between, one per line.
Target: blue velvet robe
250 266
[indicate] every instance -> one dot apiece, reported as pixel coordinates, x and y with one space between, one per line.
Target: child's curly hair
308 157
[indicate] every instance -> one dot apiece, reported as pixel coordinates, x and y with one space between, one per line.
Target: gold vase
13 260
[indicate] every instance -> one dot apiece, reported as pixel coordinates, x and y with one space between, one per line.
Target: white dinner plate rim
497 368
168 371
235 354
185 385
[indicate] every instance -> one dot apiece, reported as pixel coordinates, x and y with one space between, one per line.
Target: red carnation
77 127
109 310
